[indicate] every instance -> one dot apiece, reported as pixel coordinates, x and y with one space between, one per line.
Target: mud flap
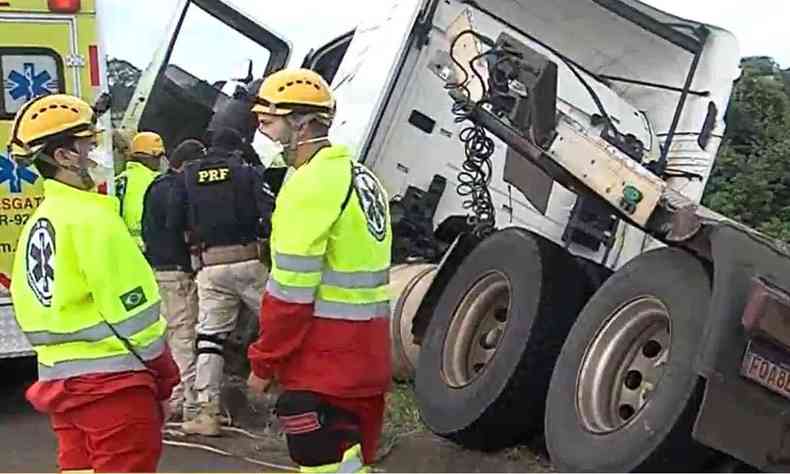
739 416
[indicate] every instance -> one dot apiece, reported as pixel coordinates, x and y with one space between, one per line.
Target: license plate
764 365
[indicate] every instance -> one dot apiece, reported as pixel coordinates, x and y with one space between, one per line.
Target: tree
751 178
122 77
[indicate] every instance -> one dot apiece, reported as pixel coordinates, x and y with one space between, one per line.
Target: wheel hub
477 327
623 365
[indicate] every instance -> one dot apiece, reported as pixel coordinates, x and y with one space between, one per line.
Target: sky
132 30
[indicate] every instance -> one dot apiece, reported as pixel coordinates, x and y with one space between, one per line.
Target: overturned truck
546 160
632 327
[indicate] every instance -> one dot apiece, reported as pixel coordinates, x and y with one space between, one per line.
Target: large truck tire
624 394
491 345
408 285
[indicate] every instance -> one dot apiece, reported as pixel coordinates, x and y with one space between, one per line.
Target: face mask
102 171
269 151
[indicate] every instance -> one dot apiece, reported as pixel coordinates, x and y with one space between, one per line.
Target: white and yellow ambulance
46 46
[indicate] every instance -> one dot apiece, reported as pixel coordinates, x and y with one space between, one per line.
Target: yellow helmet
148 143
49 117
295 90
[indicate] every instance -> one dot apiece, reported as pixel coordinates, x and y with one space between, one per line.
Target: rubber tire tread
644 445
504 407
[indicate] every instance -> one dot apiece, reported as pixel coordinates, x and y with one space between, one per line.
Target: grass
401 415
401 418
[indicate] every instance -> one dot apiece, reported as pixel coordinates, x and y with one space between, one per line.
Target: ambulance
46 47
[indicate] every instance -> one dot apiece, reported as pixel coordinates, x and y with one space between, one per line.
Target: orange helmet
49 117
295 90
148 143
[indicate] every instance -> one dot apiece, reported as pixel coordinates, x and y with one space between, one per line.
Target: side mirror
243 72
707 127
103 104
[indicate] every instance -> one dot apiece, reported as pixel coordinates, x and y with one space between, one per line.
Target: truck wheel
490 347
624 394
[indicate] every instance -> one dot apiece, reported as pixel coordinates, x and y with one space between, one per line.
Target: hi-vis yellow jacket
333 251
325 312
130 187
83 293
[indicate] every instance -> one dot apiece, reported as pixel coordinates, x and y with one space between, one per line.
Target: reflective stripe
356 279
354 312
298 263
352 462
350 465
290 294
98 331
117 363
153 350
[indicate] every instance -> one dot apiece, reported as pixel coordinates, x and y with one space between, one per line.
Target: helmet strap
80 169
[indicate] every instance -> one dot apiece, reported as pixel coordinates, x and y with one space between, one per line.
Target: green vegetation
751 178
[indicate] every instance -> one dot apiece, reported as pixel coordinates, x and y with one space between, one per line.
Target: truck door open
208 43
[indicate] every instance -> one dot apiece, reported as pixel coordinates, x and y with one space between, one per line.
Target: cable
222 452
475 174
674 173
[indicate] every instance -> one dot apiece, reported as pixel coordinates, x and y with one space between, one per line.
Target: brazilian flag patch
133 299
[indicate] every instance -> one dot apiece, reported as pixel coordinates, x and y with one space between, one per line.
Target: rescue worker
222 203
168 254
141 170
324 317
87 301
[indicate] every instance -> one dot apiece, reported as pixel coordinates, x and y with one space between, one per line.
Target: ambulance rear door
38 55
37 48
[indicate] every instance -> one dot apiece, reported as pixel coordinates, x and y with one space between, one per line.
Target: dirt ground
407 446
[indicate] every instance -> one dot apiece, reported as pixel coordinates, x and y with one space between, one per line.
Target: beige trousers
223 291
180 308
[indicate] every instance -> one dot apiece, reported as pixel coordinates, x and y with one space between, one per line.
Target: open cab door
209 46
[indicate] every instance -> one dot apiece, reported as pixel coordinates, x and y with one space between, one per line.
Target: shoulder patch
371 198
213 175
133 299
40 261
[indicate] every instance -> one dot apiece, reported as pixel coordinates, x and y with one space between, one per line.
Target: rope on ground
241 431
176 430
222 452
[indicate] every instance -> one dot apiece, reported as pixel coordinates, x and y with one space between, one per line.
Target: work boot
189 412
175 412
206 423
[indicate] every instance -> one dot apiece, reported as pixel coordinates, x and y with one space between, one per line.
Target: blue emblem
15 175
29 83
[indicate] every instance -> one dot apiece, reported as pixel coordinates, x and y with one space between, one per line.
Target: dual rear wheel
519 346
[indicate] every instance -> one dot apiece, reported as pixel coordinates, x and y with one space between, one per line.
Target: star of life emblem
371 198
40 261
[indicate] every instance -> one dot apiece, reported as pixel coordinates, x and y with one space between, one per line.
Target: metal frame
656 27
279 49
689 43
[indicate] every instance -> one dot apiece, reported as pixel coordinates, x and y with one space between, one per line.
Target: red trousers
370 411
121 432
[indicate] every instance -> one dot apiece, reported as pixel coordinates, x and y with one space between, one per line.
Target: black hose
475 174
